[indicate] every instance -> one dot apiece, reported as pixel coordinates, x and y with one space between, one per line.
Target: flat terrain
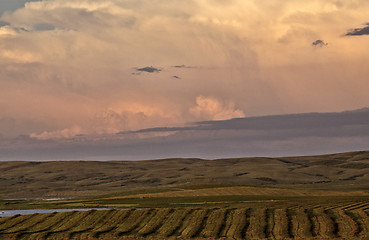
340 172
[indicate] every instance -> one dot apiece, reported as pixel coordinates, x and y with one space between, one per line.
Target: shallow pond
9 213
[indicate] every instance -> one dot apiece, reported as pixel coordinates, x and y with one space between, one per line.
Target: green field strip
226 222
237 229
156 222
19 219
324 226
282 228
301 222
257 224
174 222
29 223
110 223
133 221
195 223
213 223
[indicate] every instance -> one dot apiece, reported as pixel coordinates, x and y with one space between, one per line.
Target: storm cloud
95 67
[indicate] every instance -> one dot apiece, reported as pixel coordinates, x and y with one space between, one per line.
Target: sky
93 67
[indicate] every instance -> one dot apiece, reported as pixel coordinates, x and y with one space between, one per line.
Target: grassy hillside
340 172
315 197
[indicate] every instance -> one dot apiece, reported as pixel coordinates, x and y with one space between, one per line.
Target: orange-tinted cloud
68 63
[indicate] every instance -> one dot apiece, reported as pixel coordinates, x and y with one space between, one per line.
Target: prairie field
342 221
316 197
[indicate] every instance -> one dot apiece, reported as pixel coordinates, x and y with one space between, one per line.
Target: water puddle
9 213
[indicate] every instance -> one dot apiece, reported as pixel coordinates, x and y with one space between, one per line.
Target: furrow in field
195 223
351 205
237 227
156 222
17 220
283 226
269 220
144 221
338 205
29 223
174 223
301 226
110 224
88 223
364 222
133 221
40 230
257 224
323 224
213 223
355 222
346 227
226 223
67 224
359 206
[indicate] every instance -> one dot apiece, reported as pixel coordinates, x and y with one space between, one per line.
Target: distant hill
343 171
272 136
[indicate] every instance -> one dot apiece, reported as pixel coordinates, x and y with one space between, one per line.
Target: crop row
347 222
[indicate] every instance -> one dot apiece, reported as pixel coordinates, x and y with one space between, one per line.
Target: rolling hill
342 172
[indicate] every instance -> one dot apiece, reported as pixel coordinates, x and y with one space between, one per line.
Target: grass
24 180
196 223
315 197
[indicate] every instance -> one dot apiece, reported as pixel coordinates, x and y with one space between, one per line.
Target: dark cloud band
359 31
319 43
148 69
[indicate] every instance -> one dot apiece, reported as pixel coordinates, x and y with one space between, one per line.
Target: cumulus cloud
359 31
66 62
319 43
64 133
211 108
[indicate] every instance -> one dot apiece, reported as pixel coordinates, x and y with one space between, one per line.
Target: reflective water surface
9 213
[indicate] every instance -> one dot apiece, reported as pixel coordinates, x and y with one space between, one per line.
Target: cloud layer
71 67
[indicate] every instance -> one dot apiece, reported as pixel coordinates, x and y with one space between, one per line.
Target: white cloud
211 108
64 133
258 53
